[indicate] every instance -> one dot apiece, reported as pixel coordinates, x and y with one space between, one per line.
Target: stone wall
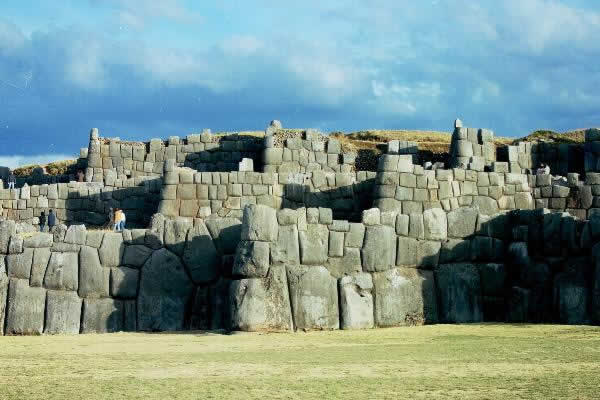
112 159
401 186
592 150
472 148
562 158
87 203
75 280
300 269
191 194
304 152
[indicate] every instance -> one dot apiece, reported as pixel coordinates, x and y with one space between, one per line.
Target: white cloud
241 45
22 160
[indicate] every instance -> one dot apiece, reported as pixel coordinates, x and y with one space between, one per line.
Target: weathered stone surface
405 296
314 297
62 272
260 223
349 264
486 205
518 305
459 293
124 282
135 255
63 312
252 259
39 240
94 278
102 316
15 245
493 279
287 249
261 304
3 293
41 257
314 244
164 292
200 255
571 298
226 233
59 232
356 235
76 234
25 310
462 222
7 229
379 250
175 235
435 224
19 265
111 250
94 239
356 301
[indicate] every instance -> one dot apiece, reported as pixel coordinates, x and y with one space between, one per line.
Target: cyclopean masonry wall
301 269
299 252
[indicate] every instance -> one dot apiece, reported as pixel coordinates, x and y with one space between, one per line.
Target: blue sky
140 69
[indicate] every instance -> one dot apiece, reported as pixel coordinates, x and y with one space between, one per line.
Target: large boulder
200 255
435 224
462 222
259 223
3 293
459 293
62 272
124 282
7 229
19 265
314 244
261 304
25 311
252 259
41 257
39 240
405 296
226 233
164 293
102 316
76 234
111 250
379 249
571 298
135 255
94 278
286 250
314 297
175 234
356 301
63 312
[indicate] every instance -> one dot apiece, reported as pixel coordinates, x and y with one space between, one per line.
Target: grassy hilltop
371 140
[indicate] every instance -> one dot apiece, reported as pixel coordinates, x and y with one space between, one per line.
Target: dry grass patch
428 362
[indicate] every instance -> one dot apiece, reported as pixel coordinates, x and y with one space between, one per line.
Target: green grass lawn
439 361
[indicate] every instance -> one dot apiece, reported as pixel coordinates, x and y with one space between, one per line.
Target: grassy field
442 361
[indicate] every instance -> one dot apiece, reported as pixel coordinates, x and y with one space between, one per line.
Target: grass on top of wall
463 362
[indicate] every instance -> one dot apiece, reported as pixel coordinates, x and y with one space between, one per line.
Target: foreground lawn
441 361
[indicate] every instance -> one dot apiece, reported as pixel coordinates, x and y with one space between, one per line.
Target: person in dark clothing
51 220
42 221
12 180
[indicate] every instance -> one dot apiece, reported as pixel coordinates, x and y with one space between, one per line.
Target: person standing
12 180
42 221
51 220
117 224
122 222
